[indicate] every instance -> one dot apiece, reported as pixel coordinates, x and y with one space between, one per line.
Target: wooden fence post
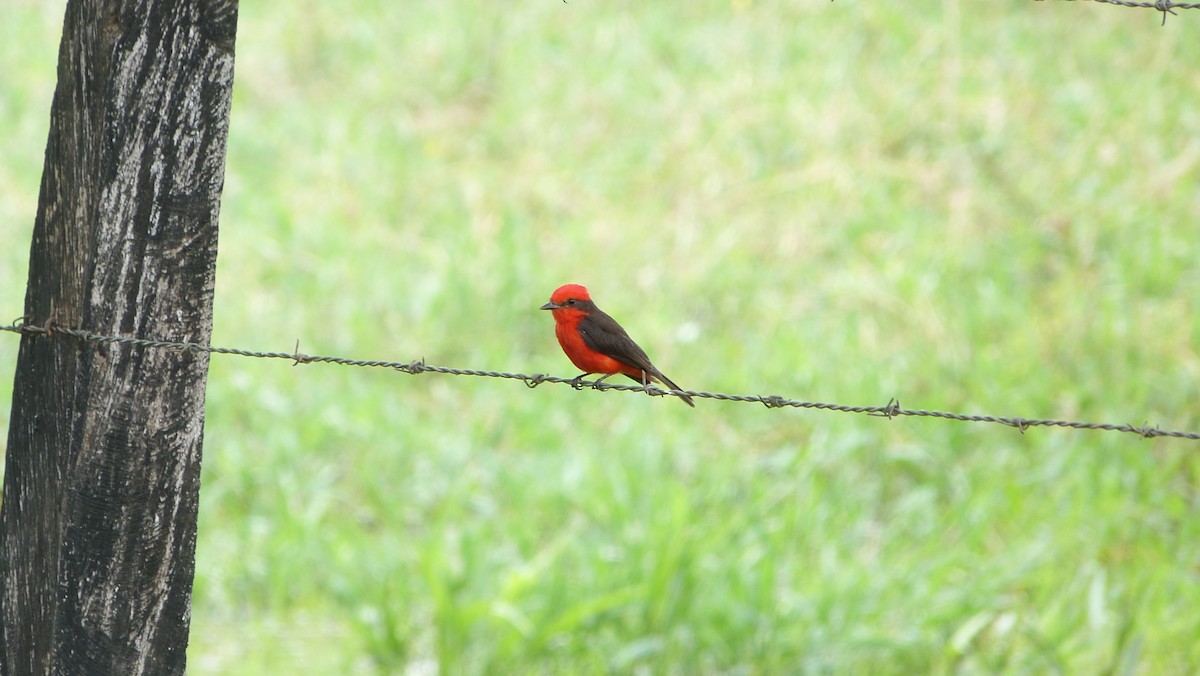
101 486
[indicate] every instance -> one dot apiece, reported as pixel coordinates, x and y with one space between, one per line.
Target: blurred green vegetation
978 207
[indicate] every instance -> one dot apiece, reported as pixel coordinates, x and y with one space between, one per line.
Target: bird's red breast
566 329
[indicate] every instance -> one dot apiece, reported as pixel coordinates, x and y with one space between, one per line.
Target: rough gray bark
98 529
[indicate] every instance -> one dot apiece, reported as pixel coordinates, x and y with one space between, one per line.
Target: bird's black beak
550 306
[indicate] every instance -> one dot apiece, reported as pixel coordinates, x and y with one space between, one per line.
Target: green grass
977 207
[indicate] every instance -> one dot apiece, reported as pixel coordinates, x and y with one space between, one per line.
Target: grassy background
978 207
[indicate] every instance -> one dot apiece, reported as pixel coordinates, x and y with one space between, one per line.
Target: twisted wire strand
1163 6
890 410
1159 5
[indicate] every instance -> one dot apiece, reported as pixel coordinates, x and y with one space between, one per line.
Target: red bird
596 343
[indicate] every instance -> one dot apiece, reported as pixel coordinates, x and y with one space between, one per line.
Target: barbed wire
890 410
1164 6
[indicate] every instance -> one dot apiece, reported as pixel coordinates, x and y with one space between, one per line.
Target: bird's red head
569 301
568 292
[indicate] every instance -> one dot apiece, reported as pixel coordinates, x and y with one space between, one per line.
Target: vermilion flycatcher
596 343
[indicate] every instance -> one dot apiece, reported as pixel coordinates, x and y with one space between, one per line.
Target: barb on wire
889 410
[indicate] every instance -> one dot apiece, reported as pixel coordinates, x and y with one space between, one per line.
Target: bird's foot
650 390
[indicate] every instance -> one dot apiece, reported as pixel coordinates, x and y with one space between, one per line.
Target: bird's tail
669 383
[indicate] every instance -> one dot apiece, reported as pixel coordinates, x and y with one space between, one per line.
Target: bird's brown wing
604 335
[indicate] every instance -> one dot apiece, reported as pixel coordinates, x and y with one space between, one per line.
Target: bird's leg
575 382
645 383
596 385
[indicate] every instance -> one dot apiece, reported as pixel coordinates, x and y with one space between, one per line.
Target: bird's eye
571 302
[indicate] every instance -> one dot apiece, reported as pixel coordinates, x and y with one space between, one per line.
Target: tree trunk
98 529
